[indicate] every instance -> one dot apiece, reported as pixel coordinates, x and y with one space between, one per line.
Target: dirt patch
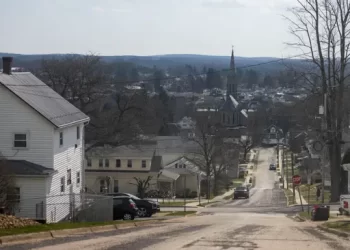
8 222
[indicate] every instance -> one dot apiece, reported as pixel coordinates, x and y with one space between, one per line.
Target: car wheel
128 216
142 212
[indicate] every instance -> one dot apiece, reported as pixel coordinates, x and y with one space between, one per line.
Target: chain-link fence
66 207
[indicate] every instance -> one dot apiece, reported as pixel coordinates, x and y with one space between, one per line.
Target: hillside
165 61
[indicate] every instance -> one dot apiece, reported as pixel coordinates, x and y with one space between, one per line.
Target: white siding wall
17 116
66 157
32 192
124 180
136 163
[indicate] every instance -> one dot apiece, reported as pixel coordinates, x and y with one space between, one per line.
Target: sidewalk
297 197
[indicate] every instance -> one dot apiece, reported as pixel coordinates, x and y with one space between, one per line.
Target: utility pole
278 150
282 167
292 161
287 172
323 151
185 193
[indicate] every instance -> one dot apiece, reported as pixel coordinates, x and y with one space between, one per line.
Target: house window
102 186
100 163
176 165
20 141
143 164
78 133
89 163
13 195
129 163
118 163
78 177
116 186
62 183
223 117
61 138
106 163
69 176
233 118
184 166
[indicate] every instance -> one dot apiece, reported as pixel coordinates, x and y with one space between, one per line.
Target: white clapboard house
41 138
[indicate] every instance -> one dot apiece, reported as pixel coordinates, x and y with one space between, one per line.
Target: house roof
156 163
169 174
141 150
22 167
230 104
43 99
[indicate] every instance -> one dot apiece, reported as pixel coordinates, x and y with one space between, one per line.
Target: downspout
83 187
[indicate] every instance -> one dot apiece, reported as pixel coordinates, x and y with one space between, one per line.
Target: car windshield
241 188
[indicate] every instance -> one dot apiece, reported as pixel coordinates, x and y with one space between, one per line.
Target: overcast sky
145 27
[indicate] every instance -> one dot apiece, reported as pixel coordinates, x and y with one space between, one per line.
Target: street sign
296 179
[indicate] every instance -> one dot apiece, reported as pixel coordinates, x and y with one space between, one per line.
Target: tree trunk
215 184
335 170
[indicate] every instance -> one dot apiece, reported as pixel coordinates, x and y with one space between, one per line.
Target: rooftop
43 99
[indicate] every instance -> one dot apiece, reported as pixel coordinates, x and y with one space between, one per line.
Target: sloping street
262 222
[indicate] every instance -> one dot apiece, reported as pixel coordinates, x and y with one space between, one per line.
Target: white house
42 138
112 169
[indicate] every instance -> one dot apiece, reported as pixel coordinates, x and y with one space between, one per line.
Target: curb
334 231
180 207
25 237
22 238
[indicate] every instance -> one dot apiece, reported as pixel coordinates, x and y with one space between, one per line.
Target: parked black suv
145 207
124 208
241 192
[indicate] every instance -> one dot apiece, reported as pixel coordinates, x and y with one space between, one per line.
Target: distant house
113 169
42 138
272 136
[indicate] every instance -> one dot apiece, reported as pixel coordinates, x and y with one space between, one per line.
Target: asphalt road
262 222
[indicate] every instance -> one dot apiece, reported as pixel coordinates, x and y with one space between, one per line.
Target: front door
116 186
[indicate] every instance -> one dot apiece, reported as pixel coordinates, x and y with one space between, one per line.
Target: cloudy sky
146 27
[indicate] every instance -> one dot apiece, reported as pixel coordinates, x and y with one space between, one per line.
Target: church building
232 114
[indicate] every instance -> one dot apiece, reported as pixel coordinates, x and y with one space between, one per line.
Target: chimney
7 65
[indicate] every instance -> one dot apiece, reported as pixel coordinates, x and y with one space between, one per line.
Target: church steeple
232 62
231 78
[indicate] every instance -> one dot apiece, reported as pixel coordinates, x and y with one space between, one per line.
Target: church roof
230 104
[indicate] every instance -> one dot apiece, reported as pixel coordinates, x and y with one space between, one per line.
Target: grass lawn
181 213
56 226
203 204
289 195
305 215
176 203
343 225
313 188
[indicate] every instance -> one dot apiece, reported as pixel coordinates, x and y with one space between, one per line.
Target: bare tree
78 78
321 29
119 115
210 154
142 185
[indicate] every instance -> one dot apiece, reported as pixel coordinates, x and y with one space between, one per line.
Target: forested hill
167 61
